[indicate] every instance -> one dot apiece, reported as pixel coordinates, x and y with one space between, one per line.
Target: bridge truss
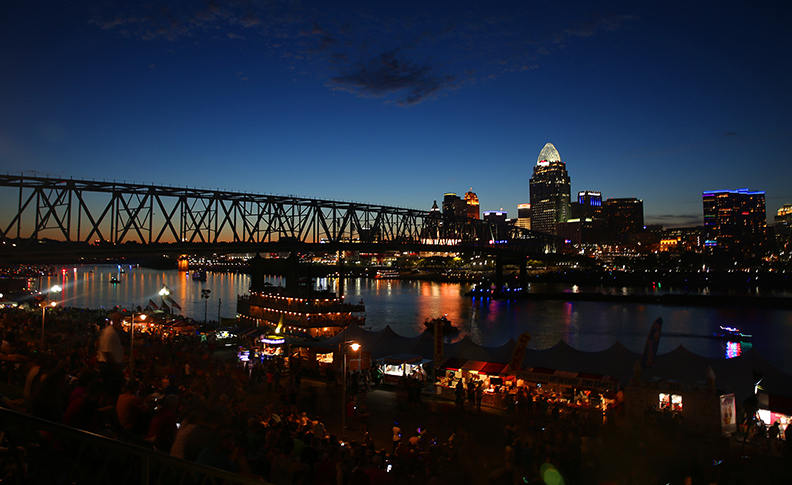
89 211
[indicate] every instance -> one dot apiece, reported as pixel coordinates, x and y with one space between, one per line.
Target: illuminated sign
273 339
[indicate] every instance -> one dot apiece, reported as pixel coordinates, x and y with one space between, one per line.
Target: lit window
671 401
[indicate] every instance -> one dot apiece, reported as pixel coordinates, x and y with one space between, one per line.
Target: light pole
355 346
132 344
164 292
205 295
54 289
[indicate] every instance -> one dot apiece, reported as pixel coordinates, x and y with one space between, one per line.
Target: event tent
738 375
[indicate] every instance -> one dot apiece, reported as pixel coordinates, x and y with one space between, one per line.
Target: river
405 304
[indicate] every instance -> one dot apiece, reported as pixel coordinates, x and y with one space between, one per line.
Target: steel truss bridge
44 214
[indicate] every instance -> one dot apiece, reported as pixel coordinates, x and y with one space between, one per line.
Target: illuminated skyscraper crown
548 154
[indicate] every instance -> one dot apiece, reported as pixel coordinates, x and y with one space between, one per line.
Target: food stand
394 367
704 409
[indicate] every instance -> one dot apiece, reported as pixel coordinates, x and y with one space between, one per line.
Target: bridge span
48 215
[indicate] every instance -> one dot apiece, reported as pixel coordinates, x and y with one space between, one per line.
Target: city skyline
397 105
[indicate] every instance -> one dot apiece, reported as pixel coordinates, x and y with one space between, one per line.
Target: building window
671 402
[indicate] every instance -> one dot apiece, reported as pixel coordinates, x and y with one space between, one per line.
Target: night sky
397 103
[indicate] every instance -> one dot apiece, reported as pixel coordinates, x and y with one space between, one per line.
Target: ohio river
405 304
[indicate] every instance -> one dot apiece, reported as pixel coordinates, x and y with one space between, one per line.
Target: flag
153 305
173 303
652 341
515 363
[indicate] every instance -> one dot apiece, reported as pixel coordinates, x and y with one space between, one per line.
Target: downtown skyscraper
734 220
550 191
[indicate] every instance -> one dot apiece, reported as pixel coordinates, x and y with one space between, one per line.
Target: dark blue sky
397 103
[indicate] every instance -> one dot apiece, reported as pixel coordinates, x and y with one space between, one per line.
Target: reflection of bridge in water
87 217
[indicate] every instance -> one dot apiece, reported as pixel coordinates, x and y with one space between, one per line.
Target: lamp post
205 295
355 346
132 344
54 289
163 293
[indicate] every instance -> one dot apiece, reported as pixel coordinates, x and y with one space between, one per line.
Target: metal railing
36 451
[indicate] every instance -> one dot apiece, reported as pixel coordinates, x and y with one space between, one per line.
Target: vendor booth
703 408
396 366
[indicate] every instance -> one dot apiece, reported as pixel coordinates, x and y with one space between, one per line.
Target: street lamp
132 344
163 293
205 296
54 289
355 346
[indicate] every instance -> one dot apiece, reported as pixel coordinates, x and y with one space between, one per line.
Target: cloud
389 74
399 52
674 220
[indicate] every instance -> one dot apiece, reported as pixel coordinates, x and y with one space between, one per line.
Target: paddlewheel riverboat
298 307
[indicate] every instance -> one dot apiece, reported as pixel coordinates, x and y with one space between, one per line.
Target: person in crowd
132 411
163 426
83 412
197 432
110 357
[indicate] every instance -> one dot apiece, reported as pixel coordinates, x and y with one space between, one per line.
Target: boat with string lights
298 307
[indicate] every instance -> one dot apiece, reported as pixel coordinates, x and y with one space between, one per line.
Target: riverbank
667 299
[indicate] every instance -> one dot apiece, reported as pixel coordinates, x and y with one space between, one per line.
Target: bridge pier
522 280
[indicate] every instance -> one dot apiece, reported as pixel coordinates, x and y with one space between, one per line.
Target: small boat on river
444 323
731 334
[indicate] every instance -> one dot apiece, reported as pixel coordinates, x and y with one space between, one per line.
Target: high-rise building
734 220
622 217
523 216
454 206
495 216
471 199
588 206
550 191
782 224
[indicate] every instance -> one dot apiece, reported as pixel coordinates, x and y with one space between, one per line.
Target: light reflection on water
406 304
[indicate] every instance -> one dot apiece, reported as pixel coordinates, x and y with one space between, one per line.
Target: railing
36 451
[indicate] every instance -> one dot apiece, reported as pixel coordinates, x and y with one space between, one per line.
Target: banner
652 341
515 363
438 342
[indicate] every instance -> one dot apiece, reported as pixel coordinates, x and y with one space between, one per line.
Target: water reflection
406 304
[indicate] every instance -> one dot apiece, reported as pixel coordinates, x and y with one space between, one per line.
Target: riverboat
114 280
731 334
445 324
199 275
387 274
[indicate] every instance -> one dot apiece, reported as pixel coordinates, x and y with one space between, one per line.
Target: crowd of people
178 398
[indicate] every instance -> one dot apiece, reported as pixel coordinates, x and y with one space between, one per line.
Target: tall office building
523 216
588 206
471 199
454 206
734 220
622 217
550 191
782 224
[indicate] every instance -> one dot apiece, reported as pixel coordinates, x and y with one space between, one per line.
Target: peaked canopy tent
735 375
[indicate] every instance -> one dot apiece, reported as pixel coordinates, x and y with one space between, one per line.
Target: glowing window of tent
670 401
